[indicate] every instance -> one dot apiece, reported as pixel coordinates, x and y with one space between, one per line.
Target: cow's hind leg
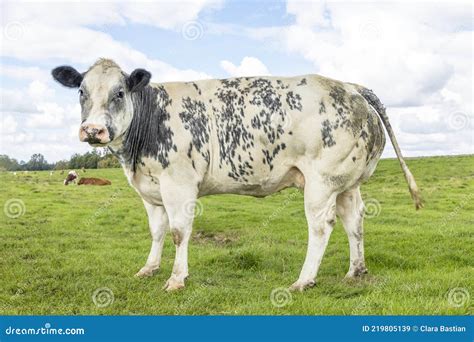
158 222
320 210
350 208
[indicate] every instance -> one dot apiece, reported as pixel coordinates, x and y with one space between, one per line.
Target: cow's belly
260 185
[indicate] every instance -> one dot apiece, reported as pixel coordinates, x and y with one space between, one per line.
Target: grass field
70 242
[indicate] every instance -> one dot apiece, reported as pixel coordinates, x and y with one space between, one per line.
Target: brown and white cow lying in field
252 136
93 181
71 177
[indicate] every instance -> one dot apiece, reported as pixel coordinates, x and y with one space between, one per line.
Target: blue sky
416 56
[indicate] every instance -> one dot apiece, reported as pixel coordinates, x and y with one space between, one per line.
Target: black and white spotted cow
251 136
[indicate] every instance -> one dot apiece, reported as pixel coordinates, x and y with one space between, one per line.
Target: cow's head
105 95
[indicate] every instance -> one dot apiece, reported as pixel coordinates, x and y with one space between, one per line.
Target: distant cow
71 177
94 181
83 169
178 141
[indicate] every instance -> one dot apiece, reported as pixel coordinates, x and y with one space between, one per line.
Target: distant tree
22 165
61 165
75 161
88 160
8 164
108 161
38 162
97 158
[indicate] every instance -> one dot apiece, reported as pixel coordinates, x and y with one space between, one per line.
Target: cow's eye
81 92
120 94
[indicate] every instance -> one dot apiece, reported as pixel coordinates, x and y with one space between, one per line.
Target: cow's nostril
101 131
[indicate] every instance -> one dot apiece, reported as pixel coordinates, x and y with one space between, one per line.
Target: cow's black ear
67 76
138 80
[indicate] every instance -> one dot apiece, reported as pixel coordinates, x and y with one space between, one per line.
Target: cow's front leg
179 200
158 222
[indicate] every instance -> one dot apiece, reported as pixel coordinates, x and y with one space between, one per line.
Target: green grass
73 240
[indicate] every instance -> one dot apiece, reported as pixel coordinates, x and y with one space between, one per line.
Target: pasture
72 248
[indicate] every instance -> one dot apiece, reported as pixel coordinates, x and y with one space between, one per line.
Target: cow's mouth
94 134
97 143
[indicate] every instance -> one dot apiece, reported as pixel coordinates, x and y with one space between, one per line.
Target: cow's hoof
356 273
146 272
302 285
173 284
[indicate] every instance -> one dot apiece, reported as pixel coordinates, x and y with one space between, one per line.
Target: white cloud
167 14
413 55
373 44
15 100
17 138
89 44
159 13
24 73
72 24
50 115
9 125
39 91
249 66
12 134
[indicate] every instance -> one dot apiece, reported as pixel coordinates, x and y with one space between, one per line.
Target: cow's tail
374 101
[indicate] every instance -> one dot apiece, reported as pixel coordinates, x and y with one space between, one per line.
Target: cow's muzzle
94 134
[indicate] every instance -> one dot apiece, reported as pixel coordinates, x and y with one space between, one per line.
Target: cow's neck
149 134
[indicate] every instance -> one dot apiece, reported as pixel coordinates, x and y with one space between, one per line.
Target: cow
93 181
71 177
179 141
